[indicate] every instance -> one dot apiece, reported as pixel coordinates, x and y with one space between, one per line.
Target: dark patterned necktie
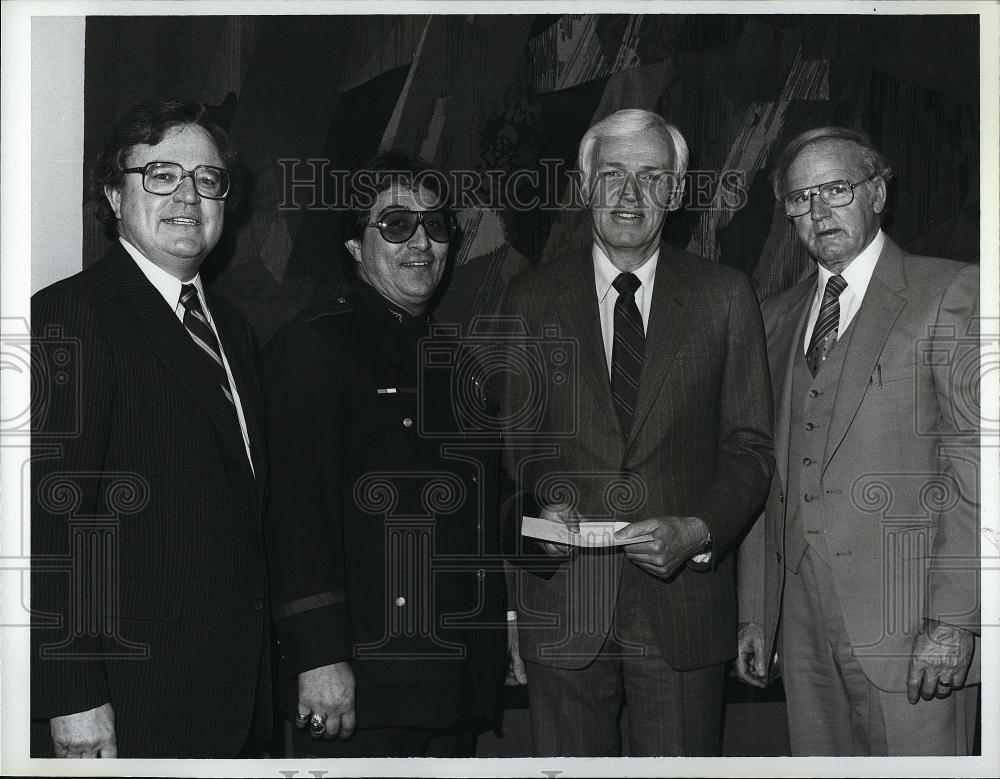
627 350
197 326
824 334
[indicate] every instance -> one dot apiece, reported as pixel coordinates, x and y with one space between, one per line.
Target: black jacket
381 529
148 572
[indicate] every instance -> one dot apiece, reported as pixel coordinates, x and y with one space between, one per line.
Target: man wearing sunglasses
868 549
388 603
150 635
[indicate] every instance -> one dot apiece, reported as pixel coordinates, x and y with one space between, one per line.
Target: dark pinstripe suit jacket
148 578
700 445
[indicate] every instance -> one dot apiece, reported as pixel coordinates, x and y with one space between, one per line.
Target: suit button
778 556
258 604
407 422
810 426
808 498
781 497
814 393
481 574
807 461
400 601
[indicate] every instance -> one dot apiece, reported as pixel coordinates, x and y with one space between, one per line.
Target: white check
592 534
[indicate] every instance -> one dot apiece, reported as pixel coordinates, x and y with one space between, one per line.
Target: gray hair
870 157
631 121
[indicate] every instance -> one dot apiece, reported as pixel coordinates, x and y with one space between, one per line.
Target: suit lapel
782 345
577 308
175 348
872 325
668 315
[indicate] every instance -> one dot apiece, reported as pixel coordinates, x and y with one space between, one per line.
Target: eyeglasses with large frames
399 225
835 194
164 178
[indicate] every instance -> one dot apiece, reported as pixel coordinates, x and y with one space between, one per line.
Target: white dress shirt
605 274
170 288
857 275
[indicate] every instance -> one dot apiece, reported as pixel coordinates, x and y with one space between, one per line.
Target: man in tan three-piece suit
862 576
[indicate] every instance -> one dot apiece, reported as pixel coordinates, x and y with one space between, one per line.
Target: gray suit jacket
700 445
900 472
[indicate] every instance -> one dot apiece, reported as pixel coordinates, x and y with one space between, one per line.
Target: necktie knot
834 286
626 283
189 297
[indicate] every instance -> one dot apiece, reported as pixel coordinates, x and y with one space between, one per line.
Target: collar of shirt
857 275
168 286
604 275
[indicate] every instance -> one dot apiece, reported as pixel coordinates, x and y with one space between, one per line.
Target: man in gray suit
668 428
868 550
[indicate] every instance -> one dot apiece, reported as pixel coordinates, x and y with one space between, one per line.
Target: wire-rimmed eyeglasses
835 194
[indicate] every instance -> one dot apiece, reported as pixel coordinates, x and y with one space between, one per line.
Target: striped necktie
627 349
824 334
203 335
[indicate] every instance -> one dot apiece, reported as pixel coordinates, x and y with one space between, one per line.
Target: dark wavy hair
146 122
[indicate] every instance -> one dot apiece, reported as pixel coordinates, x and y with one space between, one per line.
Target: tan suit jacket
900 470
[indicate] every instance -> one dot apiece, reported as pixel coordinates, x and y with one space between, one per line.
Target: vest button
778 556
808 498
810 426
807 461
481 574
400 601
813 393
407 422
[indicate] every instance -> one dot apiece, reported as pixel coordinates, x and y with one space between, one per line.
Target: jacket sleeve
745 450
304 390
514 393
750 574
953 355
72 393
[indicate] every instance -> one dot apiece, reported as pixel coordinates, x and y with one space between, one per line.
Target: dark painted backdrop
505 92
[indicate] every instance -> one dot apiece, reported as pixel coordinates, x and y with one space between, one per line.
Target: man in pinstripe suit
149 632
669 427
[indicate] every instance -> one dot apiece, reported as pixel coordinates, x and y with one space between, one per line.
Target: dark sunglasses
398 226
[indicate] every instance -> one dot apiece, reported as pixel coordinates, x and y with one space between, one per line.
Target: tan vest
811 409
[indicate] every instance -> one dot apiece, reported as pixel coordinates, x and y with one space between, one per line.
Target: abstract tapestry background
507 92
